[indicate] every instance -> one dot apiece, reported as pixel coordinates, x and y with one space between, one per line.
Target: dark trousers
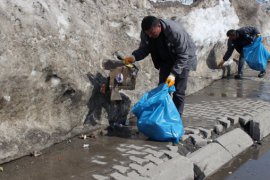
241 63
180 86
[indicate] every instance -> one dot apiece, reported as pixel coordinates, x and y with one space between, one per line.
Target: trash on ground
83 136
228 63
36 153
86 146
1 169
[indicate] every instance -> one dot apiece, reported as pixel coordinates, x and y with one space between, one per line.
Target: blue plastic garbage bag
256 55
157 115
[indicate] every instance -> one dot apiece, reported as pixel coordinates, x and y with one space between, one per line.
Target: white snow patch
55 81
185 2
210 25
7 98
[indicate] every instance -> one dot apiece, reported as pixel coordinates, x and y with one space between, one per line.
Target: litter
157 115
86 146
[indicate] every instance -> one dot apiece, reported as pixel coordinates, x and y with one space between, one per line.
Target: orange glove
128 59
170 80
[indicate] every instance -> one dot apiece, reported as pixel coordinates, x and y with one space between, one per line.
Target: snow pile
207 26
185 2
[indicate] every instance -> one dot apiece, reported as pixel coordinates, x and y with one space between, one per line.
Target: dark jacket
178 44
245 36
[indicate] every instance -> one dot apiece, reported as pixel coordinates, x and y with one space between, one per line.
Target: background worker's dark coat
245 36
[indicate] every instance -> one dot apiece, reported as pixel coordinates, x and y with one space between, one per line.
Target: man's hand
170 80
220 65
128 59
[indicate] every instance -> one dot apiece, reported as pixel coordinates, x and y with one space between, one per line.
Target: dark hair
231 32
148 22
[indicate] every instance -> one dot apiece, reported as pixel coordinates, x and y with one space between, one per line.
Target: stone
235 141
118 176
206 132
225 122
180 168
138 160
121 169
154 159
189 130
218 128
135 175
243 120
233 119
198 140
260 126
210 158
153 152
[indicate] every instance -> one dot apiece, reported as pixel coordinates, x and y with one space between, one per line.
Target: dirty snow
210 25
185 2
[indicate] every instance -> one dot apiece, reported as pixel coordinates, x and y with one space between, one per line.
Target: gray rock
210 158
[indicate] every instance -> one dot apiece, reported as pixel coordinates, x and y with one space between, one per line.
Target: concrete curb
206 160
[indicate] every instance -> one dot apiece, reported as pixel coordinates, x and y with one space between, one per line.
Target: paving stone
172 148
100 177
235 141
260 126
218 128
234 119
136 152
198 140
225 122
118 176
134 175
153 152
138 160
243 120
149 166
152 147
99 162
180 168
135 147
171 154
189 130
210 158
154 159
206 132
138 168
122 149
121 169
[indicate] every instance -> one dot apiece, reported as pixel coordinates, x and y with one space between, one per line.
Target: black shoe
238 76
261 74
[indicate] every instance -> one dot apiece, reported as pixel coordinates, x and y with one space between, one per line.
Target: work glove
128 59
170 80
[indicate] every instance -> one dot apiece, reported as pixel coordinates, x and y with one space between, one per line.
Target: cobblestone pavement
212 110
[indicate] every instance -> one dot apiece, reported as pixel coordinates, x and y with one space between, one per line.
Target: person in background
173 54
238 39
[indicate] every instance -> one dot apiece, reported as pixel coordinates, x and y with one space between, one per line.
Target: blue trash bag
157 115
256 55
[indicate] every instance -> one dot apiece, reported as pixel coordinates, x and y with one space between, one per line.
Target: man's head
232 34
151 26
